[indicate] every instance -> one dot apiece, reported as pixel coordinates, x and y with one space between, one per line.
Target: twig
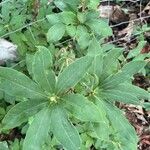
27 25
130 21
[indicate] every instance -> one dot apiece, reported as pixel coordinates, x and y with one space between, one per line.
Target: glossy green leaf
56 32
63 130
17 84
124 131
38 130
21 112
79 106
73 74
41 68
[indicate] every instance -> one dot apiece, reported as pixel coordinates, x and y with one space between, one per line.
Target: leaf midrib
24 86
33 108
60 119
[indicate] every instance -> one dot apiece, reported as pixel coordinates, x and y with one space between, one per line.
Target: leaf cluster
65 96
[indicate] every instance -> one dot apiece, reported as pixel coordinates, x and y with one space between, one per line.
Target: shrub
69 99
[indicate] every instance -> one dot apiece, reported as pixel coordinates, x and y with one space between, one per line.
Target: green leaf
5 11
147 106
124 74
133 67
54 18
68 17
141 56
99 27
56 32
38 130
83 109
1 94
74 3
21 112
82 36
93 4
4 145
71 30
15 144
111 61
97 65
102 128
125 92
94 48
107 47
63 130
92 15
135 90
81 17
124 131
66 5
114 80
44 76
17 84
119 95
137 50
61 5
29 60
73 74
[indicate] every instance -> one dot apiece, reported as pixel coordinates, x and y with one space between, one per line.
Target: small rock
8 51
